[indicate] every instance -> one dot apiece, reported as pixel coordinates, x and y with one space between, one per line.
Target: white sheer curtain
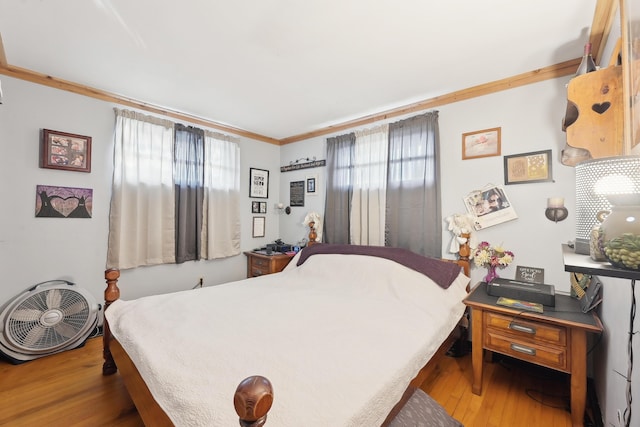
142 218
368 201
221 218
142 221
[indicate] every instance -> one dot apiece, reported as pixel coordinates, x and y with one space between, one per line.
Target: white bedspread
339 337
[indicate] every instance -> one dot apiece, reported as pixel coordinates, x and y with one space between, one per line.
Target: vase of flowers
491 257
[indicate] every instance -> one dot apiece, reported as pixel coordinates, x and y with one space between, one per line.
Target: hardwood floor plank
68 389
504 400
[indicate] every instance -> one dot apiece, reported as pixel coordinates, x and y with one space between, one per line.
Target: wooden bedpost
252 400
464 253
111 294
312 233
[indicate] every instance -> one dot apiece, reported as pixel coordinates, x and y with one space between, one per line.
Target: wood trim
603 19
46 80
3 56
627 100
551 72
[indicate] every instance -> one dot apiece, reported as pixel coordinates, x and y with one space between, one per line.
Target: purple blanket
441 272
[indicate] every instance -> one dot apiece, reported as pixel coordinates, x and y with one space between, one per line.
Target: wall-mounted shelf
577 263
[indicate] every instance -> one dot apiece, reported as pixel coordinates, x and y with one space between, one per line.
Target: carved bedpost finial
312 233
252 400
465 249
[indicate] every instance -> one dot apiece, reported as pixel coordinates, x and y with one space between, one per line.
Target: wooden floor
514 393
68 389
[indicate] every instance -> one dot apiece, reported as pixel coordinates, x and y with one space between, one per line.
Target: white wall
34 250
530 118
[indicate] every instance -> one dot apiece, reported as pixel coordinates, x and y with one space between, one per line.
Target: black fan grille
48 319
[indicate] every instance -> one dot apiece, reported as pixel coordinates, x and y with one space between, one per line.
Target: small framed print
263 207
311 185
66 151
258 183
528 168
255 207
258 226
481 143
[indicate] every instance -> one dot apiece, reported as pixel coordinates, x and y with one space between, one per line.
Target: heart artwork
65 206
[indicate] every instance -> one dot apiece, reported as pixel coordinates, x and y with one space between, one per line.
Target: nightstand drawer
545 355
526 329
259 266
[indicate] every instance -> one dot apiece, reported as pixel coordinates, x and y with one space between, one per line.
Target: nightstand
556 339
261 264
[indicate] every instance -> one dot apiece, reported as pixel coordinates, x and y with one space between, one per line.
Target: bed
344 333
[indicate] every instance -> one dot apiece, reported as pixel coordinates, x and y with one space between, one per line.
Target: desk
556 339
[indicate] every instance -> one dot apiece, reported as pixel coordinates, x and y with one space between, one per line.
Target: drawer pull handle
521 328
523 349
257 273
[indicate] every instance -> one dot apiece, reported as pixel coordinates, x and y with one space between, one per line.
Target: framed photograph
63 202
258 183
66 151
263 207
489 206
311 185
258 226
481 143
255 207
528 168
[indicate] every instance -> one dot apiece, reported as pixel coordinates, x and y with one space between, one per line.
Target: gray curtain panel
189 191
339 188
413 218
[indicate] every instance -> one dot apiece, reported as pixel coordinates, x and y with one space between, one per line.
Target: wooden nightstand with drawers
261 264
556 339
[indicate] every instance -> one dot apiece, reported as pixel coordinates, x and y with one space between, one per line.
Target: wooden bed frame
254 395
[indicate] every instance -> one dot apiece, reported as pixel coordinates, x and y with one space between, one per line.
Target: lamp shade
595 180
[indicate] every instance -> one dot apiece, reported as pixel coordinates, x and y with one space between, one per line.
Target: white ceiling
280 68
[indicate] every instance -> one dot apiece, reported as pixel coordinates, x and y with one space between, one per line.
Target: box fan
47 318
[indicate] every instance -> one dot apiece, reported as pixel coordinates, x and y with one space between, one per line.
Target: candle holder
556 214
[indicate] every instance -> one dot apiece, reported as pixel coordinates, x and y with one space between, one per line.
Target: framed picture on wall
63 202
258 183
528 168
311 187
66 151
258 226
481 143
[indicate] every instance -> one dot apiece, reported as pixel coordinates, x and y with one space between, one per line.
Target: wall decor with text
258 183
